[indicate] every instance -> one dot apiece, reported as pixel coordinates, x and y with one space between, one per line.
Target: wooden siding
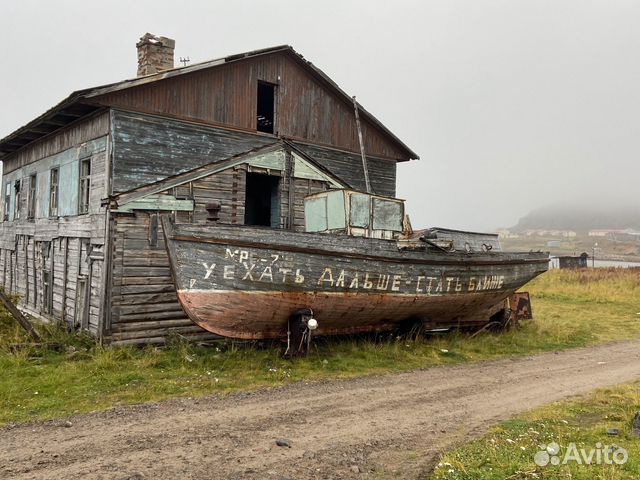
227 94
348 167
68 164
70 137
144 305
66 251
66 260
148 148
226 187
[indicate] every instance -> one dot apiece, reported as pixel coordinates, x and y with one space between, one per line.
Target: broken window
7 200
85 185
266 106
31 201
17 186
261 203
53 192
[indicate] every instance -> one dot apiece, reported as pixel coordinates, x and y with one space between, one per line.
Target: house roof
79 103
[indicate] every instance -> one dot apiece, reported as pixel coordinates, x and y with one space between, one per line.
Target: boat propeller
300 326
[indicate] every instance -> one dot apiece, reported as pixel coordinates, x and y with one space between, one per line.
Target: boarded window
31 201
7 200
85 185
53 192
266 107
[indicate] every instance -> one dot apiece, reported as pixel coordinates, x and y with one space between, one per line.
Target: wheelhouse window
53 192
31 200
7 200
266 107
85 185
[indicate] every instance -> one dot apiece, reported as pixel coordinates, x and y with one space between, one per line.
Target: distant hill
581 217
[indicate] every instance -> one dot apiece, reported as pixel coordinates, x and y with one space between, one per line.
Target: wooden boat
358 268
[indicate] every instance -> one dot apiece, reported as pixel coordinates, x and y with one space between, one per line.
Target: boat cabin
354 213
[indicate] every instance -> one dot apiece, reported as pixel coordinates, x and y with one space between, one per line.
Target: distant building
550 233
504 233
572 261
605 232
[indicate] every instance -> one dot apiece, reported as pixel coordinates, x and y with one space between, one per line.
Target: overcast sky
510 104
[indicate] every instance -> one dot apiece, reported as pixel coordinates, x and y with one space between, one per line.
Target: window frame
54 191
31 196
7 202
274 86
17 197
84 186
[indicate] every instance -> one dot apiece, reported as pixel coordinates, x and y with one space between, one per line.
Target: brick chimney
155 54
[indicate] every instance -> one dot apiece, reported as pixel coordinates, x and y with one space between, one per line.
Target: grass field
571 309
508 451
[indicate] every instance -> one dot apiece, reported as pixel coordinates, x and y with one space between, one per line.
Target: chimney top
155 54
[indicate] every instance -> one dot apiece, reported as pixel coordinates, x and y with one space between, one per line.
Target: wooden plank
156 202
25 246
145 148
65 274
175 314
161 339
107 279
21 319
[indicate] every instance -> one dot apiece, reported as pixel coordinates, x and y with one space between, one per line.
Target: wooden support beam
21 319
65 273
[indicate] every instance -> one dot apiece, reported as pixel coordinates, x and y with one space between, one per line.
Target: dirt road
388 426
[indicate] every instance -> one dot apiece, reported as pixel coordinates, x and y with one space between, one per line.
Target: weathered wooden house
241 139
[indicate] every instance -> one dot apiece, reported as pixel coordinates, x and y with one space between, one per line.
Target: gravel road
391 426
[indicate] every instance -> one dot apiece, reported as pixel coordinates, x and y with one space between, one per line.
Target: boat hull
246 282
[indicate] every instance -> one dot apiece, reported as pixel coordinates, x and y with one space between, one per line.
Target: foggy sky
510 104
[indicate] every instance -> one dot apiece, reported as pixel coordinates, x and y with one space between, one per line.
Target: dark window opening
53 192
31 207
17 186
266 107
261 204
